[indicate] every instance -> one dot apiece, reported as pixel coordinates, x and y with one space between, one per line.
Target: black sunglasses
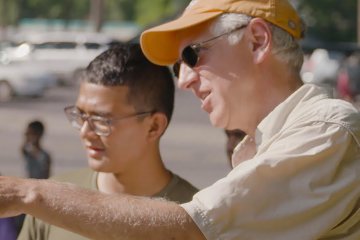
190 54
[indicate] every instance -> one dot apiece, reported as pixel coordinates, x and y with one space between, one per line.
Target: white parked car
61 53
41 60
21 79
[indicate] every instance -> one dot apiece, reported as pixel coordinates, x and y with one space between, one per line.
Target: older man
297 172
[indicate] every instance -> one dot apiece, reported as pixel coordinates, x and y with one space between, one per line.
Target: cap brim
161 44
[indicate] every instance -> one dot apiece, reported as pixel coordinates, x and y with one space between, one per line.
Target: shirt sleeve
299 185
26 232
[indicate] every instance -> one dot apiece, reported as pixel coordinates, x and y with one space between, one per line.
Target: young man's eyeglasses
100 125
190 54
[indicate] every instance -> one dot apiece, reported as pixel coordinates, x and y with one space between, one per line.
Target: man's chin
217 121
96 164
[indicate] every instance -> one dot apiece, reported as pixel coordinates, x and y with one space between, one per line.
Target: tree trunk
96 14
3 18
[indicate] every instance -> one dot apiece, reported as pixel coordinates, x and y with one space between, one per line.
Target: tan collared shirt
300 179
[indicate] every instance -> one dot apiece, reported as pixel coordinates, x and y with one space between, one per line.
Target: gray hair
285 47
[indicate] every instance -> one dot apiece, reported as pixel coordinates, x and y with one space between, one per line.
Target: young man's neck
146 180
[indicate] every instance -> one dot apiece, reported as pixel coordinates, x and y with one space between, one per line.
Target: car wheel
6 92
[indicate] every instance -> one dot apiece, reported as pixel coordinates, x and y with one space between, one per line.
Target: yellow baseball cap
161 44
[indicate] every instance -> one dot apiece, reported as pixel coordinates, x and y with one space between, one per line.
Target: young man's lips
95 152
95 148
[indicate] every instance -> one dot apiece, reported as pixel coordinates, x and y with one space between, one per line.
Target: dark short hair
37 127
151 87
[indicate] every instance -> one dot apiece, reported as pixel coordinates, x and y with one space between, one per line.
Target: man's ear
260 37
157 126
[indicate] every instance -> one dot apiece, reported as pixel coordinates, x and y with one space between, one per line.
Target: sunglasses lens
189 56
176 68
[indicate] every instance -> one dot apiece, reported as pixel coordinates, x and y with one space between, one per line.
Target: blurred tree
148 12
3 13
120 10
327 19
96 14
54 9
151 11
330 20
143 12
8 12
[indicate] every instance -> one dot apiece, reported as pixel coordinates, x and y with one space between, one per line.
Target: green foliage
151 11
331 20
8 12
54 9
143 12
120 10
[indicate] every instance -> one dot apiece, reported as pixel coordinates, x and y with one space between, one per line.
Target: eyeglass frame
195 49
109 121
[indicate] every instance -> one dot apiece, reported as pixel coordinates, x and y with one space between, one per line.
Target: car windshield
92 45
55 45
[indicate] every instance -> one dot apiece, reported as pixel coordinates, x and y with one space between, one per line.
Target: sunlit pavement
191 147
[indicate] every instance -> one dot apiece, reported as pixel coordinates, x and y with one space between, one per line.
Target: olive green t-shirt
178 190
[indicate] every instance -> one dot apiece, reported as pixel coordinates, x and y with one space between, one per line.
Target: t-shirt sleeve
32 229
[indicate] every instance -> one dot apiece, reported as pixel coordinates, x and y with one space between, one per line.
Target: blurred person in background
124 106
348 81
296 174
37 159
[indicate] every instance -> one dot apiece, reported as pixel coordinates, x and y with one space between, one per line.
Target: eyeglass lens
101 127
189 56
77 120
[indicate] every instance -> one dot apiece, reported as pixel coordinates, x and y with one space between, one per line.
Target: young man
297 172
124 106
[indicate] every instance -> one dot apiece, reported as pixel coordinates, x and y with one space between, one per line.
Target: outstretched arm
93 214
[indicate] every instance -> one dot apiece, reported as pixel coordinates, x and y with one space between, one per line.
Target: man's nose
187 77
86 131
